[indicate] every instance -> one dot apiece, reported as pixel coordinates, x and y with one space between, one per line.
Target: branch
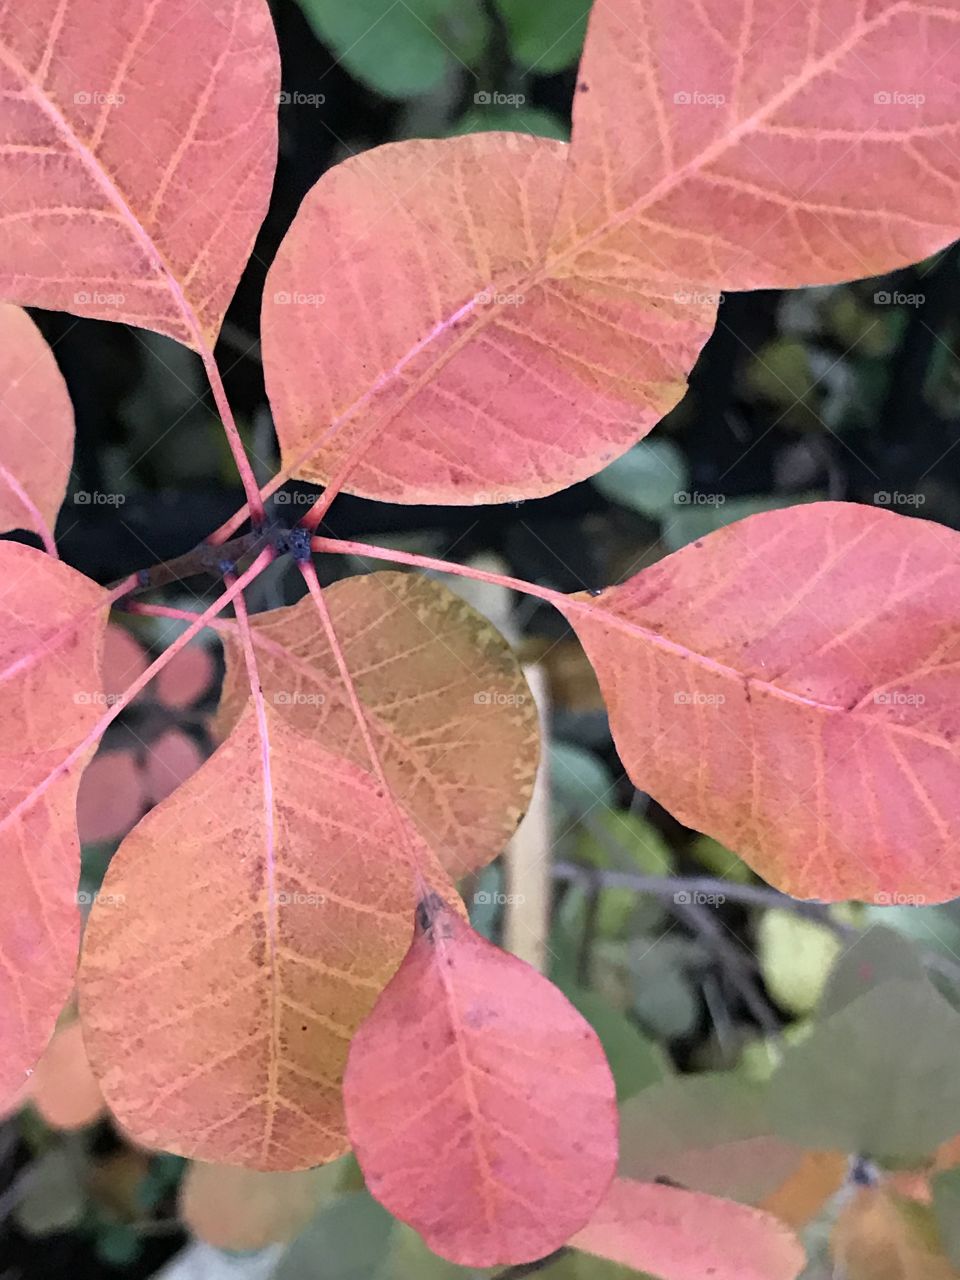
531 1268
750 894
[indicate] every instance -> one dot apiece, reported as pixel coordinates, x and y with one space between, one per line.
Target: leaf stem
339 547
39 525
249 480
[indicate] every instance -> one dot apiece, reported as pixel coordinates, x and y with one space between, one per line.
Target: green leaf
664 998
401 49
646 479
410 1259
879 955
624 841
946 1207
520 119
711 1132
584 1266
579 781
545 37
796 956
720 860
635 1061
878 1078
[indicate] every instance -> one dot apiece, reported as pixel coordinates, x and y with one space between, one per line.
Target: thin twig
531 1268
749 894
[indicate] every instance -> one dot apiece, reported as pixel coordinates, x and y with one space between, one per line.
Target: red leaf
50 699
684 1235
36 427
779 146
789 686
455 1089
139 149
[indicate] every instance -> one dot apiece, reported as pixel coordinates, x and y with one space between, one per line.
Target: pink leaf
684 1235
138 156
789 686
779 144
479 1102
50 700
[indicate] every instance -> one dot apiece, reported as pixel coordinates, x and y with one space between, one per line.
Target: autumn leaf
138 157
454 722
36 428
492 318
683 1235
238 940
880 1236
479 1103
468 376
245 1209
786 685
63 1088
777 148
49 701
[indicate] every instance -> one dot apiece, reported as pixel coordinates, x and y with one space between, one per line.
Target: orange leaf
788 686
63 1088
684 1235
138 156
480 1105
225 969
455 725
50 643
246 1209
777 148
482 376
36 427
